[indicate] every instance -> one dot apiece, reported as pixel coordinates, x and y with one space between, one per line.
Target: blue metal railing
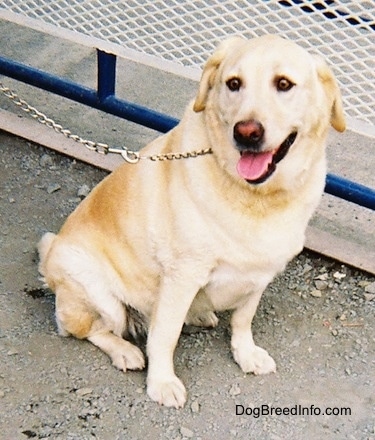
103 98
350 191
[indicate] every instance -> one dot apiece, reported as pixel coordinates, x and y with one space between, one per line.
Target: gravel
316 319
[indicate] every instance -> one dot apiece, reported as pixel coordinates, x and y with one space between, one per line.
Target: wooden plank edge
319 241
340 249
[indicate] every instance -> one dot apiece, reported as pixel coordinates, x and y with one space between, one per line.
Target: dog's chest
228 286
233 280
249 265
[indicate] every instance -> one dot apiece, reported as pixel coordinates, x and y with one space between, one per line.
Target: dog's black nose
249 134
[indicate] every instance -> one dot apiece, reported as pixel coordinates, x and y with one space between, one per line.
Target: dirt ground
317 321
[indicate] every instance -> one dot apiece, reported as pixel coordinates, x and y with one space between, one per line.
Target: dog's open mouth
257 167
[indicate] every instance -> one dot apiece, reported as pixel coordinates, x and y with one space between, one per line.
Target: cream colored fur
179 240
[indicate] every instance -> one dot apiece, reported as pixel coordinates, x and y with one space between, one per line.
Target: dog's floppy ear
210 70
332 91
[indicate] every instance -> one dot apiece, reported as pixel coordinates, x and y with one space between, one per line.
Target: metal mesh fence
186 32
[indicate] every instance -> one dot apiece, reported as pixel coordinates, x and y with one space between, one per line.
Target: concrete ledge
335 247
45 136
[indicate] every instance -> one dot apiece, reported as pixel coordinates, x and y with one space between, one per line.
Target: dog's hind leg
124 355
76 315
201 312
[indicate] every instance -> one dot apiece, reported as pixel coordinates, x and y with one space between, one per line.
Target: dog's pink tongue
252 166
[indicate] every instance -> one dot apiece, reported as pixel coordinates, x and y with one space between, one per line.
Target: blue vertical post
106 81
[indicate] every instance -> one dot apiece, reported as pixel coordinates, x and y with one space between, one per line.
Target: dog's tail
44 247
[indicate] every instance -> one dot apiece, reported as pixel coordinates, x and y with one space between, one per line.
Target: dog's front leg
250 357
175 298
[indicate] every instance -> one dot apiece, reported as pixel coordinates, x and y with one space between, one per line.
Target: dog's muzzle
257 166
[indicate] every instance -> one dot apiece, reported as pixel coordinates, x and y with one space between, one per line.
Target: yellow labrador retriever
159 244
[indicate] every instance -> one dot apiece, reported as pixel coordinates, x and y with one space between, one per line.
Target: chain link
178 156
98 147
50 123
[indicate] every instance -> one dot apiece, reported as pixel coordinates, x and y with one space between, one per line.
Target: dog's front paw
254 360
167 392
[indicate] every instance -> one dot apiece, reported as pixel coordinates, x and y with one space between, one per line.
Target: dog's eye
283 84
234 84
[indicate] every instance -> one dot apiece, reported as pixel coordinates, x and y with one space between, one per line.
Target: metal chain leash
129 156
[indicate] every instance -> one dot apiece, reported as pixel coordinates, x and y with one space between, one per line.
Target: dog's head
267 99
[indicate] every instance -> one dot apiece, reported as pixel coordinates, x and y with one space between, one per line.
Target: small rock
53 187
59 396
321 285
316 293
46 161
339 276
334 332
369 296
12 352
83 191
306 268
186 432
235 390
370 288
195 407
84 391
29 434
75 200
